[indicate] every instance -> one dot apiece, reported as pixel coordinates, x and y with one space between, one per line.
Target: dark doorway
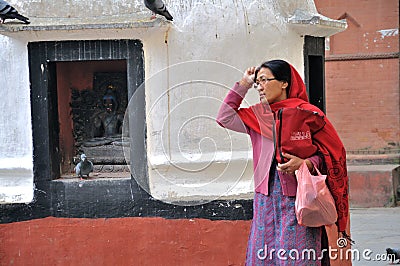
316 81
314 59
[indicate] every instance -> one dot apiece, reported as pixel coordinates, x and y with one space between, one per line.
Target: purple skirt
275 236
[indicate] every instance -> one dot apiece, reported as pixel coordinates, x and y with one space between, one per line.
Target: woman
285 130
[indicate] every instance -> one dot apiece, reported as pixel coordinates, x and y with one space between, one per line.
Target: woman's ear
285 85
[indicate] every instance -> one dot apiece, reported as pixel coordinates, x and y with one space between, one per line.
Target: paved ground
374 229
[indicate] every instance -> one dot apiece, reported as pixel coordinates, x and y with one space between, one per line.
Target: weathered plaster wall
16 183
75 8
189 155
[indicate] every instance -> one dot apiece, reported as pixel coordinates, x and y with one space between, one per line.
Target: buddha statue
108 122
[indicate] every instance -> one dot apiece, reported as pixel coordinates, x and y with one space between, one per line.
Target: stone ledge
373 159
372 167
373 185
67 24
306 23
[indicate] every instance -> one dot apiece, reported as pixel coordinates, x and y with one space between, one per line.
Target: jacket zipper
274 135
274 139
280 111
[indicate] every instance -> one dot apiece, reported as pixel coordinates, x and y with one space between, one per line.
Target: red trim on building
124 241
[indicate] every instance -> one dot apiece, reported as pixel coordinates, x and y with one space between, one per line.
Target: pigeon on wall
158 7
9 12
84 167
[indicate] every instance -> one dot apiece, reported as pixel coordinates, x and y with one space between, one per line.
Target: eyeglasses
263 80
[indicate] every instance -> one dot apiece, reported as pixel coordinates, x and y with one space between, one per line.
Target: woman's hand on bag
293 164
248 77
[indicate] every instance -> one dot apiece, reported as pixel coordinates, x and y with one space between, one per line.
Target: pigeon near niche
84 167
9 12
158 7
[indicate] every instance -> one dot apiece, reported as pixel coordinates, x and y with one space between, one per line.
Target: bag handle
316 169
305 165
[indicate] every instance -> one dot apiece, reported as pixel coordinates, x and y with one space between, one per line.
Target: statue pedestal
107 154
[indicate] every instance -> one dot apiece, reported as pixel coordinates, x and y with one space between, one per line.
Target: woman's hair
280 69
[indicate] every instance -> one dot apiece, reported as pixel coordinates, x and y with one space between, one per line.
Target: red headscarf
259 118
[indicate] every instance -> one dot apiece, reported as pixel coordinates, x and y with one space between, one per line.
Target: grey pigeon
84 167
9 12
394 252
158 7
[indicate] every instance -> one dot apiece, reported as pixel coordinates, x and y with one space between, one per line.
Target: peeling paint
388 33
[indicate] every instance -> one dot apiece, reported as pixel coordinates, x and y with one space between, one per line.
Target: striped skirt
276 238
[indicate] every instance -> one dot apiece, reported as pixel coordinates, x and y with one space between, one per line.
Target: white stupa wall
190 65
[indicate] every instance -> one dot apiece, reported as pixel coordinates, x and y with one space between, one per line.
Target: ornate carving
97 119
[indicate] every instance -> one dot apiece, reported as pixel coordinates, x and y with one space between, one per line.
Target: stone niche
92 100
78 106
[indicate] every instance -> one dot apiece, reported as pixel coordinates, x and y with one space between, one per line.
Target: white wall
191 157
190 65
16 178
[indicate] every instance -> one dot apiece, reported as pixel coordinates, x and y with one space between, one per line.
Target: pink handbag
314 203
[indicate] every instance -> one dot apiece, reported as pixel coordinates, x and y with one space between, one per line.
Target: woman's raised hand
248 77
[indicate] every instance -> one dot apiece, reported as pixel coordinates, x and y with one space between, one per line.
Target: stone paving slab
374 229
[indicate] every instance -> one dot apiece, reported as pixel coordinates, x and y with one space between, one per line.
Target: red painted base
127 241
123 241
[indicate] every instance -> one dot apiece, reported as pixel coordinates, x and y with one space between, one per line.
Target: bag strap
316 169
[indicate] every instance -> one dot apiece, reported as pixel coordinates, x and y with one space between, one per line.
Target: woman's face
270 89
